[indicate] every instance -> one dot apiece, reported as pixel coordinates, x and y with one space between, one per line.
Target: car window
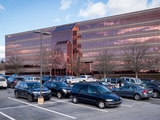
2 79
61 84
127 79
132 87
53 84
47 84
132 80
102 89
25 85
34 85
83 90
89 76
92 90
125 87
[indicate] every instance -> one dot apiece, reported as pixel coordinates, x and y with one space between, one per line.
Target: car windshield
138 80
33 85
103 89
61 84
2 79
141 86
104 83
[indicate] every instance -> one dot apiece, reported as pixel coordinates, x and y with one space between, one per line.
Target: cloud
68 16
114 7
1 7
93 10
65 4
57 20
2 51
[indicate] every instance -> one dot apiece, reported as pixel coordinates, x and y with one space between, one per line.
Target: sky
25 15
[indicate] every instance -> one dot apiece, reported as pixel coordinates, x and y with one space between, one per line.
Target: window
92 90
83 90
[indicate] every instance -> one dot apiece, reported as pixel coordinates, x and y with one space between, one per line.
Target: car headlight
65 91
36 92
109 100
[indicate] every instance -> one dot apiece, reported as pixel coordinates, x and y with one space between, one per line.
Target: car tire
29 98
12 85
84 81
137 97
59 95
75 100
155 94
101 104
16 95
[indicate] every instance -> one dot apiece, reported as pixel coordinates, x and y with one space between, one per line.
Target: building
87 38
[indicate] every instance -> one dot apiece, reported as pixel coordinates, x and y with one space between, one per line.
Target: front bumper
45 96
113 103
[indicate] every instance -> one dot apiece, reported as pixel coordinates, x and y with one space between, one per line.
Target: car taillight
144 91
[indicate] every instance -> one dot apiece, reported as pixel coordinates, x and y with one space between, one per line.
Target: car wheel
84 81
59 95
155 94
75 99
137 97
16 94
29 98
12 85
101 104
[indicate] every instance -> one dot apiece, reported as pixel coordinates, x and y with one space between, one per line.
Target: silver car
134 91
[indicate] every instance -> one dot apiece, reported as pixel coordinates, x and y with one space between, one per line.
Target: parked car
46 78
132 80
85 78
108 85
156 88
95 94
70 79
12 81
3 82
147 80
134 91
31 90
58 88
113 81
32 78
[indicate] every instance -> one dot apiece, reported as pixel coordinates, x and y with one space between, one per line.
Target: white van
132 80
3 82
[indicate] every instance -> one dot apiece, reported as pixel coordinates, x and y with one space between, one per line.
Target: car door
53 88
82 96
92 96
123 90
25 90
130 91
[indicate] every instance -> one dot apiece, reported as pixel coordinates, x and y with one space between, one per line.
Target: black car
58 88
12 81
156 88
31 91
95 94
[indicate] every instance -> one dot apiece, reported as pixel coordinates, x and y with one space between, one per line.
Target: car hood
110 96
38 89
66 88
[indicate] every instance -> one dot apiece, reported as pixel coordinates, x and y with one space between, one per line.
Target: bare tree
14 64
104 62
53 59
137 57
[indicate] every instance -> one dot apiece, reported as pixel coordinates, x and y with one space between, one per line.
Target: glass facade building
89 38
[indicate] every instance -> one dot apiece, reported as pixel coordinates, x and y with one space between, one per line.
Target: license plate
150 91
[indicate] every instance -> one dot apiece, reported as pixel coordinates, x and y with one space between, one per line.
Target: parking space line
14 107
126 105
80 105
43 108
7 116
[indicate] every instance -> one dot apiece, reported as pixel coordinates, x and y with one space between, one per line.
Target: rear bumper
146 95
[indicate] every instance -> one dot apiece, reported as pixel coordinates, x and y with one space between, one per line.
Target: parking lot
63 109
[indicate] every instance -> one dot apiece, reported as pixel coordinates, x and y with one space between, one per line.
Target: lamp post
40 98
